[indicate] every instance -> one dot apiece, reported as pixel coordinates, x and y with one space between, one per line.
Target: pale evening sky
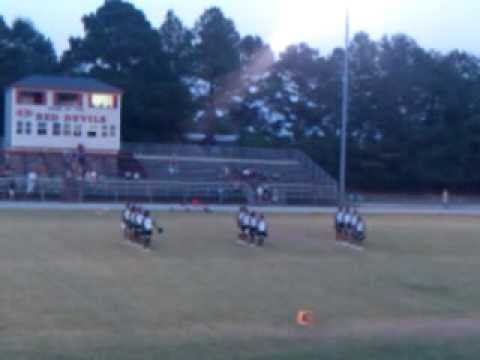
439 24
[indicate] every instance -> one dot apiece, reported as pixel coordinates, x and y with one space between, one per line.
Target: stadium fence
77 190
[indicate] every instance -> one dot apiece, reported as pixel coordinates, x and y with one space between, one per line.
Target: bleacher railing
74 190
205 150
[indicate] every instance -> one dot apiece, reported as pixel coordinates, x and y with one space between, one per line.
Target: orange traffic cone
304 318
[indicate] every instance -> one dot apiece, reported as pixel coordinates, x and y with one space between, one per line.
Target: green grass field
70 288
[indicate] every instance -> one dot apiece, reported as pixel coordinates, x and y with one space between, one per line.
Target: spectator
220 192
91 176
267 194
226 171
172 166
11 190
260 193
31 182
275 196
445 198
81 156
247 172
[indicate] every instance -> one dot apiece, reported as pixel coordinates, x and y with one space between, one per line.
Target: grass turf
71 289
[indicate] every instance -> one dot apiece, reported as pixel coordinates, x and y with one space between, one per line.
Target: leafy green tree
23 51
177 42
121 47
218 56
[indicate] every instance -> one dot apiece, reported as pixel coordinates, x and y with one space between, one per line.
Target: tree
217 51
121 47
23 51
176 42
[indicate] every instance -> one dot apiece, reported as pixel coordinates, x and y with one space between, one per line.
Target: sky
435 24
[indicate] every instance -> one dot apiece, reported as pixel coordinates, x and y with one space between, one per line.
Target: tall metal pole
345 100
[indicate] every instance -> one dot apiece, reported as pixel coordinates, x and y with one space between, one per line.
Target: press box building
55 113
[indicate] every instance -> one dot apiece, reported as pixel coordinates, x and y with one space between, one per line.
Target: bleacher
201 169
180 173
208 163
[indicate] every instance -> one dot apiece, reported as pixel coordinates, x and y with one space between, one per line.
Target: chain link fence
78 190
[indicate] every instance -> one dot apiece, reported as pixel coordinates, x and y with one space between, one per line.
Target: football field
71 288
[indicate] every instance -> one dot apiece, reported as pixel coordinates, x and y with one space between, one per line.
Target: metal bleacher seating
176 173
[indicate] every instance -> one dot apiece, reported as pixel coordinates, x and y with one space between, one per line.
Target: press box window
57 129
31 98
28 128
67 129
19 127
42 128
103 101
113 130
68 99
77 130
104 131
92 132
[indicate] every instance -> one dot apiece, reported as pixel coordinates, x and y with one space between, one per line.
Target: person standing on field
359 232
147 225
445 198
347 218
353 223
262 230
252 226
243 222
339 223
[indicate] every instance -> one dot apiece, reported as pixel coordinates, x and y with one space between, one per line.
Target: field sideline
471 209
72 289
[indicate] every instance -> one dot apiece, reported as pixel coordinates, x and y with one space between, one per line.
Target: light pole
345 93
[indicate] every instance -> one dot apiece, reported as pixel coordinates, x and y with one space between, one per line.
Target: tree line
414 112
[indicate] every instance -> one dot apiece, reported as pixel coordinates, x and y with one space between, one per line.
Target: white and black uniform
147 229
139 222
347 220
339 220
354 221
147 226
240 217
125 218
262 229
245 222
360 231
132 219
252 226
